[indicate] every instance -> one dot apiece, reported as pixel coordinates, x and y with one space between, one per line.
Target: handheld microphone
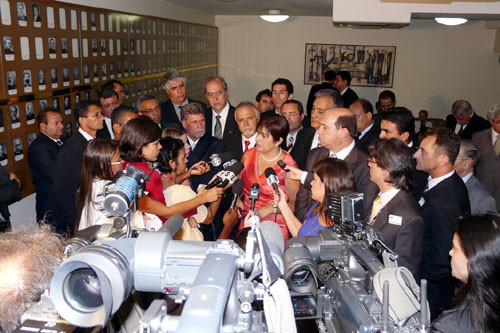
236 190
218 159
229 163
282 165
254 195
272 179
226 176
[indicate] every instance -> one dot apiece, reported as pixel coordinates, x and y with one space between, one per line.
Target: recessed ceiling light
274 16
228 0
450 20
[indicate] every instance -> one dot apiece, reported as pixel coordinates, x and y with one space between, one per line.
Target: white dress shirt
315 141
251 139
434 181
110 127
85 134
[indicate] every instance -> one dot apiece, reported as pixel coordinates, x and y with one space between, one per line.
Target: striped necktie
218 127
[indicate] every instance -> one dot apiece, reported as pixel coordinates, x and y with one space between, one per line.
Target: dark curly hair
170 151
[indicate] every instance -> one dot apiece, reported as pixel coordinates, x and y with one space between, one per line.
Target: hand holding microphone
227 176
292 172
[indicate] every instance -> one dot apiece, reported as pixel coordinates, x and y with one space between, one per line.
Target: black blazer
368 138
349 96
9 192
302 146
67 179
444 204
359 167
314 90
206 146
231 130
42 154
235 147
103 133
168 114
406 238
476 124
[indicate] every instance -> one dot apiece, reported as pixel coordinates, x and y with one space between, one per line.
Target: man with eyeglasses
68 163
42 154
109 101
298 142
148 105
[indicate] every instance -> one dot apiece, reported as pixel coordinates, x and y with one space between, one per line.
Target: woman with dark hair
331 175
139 144
100 162
271 133
475 261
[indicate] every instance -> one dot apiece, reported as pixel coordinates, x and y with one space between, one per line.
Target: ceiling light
450 20
274 16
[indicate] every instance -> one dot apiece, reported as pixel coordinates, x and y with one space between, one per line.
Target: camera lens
84 289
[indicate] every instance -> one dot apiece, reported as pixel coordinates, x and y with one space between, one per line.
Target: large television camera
347 278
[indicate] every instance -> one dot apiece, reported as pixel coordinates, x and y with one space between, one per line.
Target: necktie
218 127
332 155
377 205
59 143
460 130
319 144
247 143
290 144
497 145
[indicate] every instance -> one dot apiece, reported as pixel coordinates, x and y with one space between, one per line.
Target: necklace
272 159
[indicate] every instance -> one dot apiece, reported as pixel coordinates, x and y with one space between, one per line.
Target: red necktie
247 143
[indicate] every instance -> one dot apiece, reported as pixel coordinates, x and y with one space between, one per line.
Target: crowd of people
419 180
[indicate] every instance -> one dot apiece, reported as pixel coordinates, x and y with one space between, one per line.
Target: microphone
226 176
229 163
218 159
254 195
272 179
236 190
172 225
273 236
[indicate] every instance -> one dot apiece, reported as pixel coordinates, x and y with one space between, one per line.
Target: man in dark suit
342 82
175 87
148 105
336 135
465 121
109 101
42 154
219 118
368 131
247 118
395 213
442 203
488 143
480 200
282 91
69 161
327 84
264 101
293 111
10 191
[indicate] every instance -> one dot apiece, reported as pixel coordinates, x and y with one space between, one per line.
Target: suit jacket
443 206
406 238
231 130
349 96
104 133
314 90
206 146
42 154
169 116
9 192
359 167
476 124
67 180
480 200
488 167
235 147
302 146
368 138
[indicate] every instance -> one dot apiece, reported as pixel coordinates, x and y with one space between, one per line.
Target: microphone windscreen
272 234
236 168
173 224
270 172
238 187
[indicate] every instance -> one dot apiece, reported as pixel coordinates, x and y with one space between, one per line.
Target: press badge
394 219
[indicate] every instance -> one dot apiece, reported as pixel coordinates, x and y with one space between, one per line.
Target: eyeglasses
151 110
95 115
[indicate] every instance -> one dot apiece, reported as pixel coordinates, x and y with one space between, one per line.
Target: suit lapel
383 217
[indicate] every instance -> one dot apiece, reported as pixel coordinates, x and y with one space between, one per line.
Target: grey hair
493 112
143 98
218 79
333 94
171 75
250 104
191 108
470 150
35 253
462 107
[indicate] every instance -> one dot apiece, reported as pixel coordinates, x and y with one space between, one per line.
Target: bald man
336 135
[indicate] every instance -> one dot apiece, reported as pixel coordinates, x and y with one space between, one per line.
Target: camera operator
29 258
395 212
475 260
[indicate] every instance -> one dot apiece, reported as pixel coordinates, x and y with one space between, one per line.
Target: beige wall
159 8
435 65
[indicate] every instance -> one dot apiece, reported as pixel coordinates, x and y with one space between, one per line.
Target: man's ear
369 116
290 96
406 136
443 159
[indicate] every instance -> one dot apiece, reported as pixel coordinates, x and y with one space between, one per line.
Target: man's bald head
338 129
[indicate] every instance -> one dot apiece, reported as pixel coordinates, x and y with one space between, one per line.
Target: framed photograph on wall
369 65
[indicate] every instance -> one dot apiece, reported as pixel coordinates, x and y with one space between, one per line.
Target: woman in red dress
271 133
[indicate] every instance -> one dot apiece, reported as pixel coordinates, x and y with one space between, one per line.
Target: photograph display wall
56 54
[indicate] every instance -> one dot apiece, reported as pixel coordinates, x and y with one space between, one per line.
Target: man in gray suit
488 143
480 200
